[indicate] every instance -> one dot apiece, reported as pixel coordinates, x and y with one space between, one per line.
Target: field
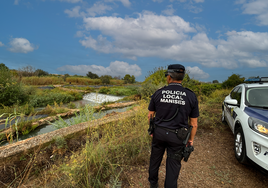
117 155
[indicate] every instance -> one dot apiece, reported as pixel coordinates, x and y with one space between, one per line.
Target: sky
213 39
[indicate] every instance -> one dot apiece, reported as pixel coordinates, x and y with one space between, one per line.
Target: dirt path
212 164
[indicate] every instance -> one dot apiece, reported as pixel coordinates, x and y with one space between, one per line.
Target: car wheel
240 146
223 117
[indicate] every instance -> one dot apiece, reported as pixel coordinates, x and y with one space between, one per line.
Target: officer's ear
169 79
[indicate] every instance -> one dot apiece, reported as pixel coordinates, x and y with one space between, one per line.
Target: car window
233 93
238 95
257 96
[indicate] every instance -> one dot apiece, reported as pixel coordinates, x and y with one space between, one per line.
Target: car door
229 108
236 110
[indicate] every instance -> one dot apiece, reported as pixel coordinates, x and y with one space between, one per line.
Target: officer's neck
174 81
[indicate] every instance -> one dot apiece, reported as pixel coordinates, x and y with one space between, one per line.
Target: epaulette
189 89
161 87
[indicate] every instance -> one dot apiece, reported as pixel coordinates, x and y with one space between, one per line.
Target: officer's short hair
176 71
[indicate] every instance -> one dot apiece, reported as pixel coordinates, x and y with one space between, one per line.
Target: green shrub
207 88
45 97
157 76
233 81
148 88
129 79
119 91
11 91
104 90
105 79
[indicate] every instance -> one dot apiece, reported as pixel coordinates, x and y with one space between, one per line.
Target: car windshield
257 96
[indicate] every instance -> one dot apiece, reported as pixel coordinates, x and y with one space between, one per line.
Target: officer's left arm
193 122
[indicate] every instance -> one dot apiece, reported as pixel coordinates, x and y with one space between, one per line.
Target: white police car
245 110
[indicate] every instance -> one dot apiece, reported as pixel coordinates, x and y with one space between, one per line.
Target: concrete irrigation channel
13 151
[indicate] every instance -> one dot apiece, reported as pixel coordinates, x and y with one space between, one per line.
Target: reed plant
21 109
85 114
83 81
116 82
11 121
89 81
54 110
46 80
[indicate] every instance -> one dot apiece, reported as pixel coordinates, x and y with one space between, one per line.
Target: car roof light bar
264 79
257 80
253 80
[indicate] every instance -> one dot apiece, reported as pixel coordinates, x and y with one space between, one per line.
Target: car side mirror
232 102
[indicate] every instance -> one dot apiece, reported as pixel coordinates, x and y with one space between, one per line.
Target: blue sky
213 39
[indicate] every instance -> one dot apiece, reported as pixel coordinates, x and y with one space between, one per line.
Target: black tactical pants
163 139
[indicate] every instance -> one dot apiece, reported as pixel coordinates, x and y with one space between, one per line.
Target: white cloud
126 3
197 73
71 1
21 45
1 44
199 1
169 37
116 68
253 63
159 1
191 5
145 35
193 9
240 1
98 8
16 2
191 1
75 12
169 11
79 34
256 7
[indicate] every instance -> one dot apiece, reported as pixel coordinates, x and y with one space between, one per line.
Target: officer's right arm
150 115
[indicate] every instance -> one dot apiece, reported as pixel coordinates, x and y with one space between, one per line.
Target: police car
245 110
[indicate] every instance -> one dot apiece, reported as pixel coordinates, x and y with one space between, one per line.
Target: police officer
173 106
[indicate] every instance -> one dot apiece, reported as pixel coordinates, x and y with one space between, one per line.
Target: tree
40 72
129 79
233 81
92 75
3 66
26 71
117 77
105 79
215 81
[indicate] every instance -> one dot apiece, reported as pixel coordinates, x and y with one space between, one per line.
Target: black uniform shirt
165 102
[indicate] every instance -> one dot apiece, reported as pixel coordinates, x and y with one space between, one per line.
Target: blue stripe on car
261 114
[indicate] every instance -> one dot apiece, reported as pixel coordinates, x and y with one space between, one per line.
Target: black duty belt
181 132
167 129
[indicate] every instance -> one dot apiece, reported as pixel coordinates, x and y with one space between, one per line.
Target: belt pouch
182 133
